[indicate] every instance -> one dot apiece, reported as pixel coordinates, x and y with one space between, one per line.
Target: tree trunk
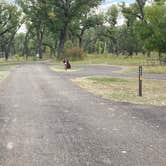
80 41
81 37
4 48
25 49
63 35
39 45
40 33
40 53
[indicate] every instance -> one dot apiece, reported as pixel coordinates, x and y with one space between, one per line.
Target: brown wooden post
140 80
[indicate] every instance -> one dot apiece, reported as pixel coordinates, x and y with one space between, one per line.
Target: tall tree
66 11
154 32
86 21
111 18
36 13
10 22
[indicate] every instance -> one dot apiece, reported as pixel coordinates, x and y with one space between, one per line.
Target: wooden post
140 80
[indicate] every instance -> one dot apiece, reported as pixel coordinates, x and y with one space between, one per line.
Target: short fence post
140 80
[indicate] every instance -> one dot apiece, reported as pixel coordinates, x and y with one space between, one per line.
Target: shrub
74 53
68 44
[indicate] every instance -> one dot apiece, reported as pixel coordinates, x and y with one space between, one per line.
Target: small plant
74 53
17 57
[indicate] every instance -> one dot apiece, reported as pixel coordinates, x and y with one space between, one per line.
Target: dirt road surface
46 120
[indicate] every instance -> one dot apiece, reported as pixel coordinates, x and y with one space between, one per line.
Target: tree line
75 26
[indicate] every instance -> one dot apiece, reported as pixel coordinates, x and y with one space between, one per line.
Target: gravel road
46 120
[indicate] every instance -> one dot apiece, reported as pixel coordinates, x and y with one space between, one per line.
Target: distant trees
154 30
10 22
50 24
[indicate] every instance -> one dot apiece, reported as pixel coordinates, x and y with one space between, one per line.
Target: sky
107 3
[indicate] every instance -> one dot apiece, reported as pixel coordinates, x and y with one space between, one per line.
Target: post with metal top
140 80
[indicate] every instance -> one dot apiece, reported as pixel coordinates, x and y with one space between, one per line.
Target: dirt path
45 120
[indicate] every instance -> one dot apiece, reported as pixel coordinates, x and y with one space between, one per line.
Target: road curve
45 120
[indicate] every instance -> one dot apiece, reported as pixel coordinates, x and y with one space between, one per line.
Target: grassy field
125 90
113 59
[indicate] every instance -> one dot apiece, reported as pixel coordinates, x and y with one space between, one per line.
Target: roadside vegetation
3 75
146 69
127 63
60 68
73 29
125 90
5 71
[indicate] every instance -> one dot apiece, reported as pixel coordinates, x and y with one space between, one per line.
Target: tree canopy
50 24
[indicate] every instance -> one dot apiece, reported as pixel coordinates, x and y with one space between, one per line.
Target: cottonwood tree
68 10
79 26
10 22
36 13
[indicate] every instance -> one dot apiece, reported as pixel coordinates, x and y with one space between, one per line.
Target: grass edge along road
146 69
125 89
3 75
5 71
61 69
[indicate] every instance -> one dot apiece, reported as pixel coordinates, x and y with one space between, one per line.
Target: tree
36 13
86 21
112 30
68 10
153 31
9 25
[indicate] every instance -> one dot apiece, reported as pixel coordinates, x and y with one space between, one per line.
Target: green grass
113 59
6 67
22 59
146 69
3 75
5 70
61 69
126 90
155 69
106 80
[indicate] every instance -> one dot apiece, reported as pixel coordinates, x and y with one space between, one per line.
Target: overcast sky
105 3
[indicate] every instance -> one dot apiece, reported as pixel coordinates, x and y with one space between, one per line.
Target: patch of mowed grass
3 75
126 90
107 80
130 64
5 70
155 69
6 67
146 69
61 69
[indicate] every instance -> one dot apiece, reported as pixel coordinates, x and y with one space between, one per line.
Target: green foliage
10 21
112 15
99 46
58 26
155 27
68 44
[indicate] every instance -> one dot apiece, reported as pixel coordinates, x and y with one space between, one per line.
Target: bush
74 53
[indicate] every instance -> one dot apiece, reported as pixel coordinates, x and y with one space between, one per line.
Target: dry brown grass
126 90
